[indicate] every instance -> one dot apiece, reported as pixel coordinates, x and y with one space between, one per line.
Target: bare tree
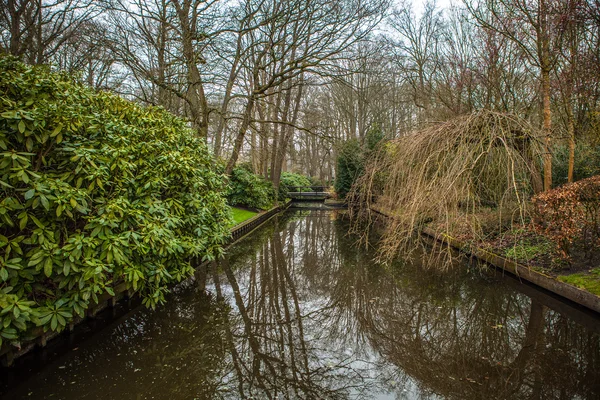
296 38
532 25
417 50
156 38
87 52
36 30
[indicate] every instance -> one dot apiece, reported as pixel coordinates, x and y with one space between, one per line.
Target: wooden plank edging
241 230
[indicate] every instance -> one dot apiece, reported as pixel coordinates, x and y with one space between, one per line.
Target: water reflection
297 310
314 304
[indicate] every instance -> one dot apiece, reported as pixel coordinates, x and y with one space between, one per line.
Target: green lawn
240 215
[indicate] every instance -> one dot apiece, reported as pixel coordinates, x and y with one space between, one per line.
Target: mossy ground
589 281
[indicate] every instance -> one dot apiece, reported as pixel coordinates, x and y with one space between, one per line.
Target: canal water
298 310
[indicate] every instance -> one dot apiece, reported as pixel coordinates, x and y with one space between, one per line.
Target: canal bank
522 272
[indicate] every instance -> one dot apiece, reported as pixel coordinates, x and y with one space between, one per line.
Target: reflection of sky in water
317 318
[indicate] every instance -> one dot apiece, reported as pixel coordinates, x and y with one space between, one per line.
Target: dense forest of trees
279 84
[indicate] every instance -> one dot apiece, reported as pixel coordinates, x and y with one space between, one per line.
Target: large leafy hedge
95 190
249 189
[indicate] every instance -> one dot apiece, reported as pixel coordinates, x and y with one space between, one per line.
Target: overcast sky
419 5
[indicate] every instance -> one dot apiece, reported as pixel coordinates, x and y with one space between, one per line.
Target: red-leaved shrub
569 215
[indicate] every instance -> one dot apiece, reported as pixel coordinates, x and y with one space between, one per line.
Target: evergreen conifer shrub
349 166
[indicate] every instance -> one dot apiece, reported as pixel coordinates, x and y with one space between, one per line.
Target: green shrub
95 191
349 166
249 189
289 183
314 181
352 158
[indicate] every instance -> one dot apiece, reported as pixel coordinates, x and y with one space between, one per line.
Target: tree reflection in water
314 317
298 311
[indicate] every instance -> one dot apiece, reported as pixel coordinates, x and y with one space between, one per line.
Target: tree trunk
547 129
195 96
573 43
545 69
263 158
279 140
571 133
287 133
239 139
227 97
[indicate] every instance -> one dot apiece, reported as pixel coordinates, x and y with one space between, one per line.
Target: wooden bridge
305 193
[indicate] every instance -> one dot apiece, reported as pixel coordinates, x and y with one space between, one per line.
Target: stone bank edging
563 289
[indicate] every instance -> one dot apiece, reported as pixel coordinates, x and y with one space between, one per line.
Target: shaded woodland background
280 84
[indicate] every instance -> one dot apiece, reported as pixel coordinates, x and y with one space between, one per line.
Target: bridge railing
311 189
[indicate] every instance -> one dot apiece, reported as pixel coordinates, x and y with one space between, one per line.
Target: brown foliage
570 215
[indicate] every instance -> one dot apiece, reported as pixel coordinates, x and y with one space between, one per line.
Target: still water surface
298 311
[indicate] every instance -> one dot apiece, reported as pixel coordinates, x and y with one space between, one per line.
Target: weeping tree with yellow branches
469 175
